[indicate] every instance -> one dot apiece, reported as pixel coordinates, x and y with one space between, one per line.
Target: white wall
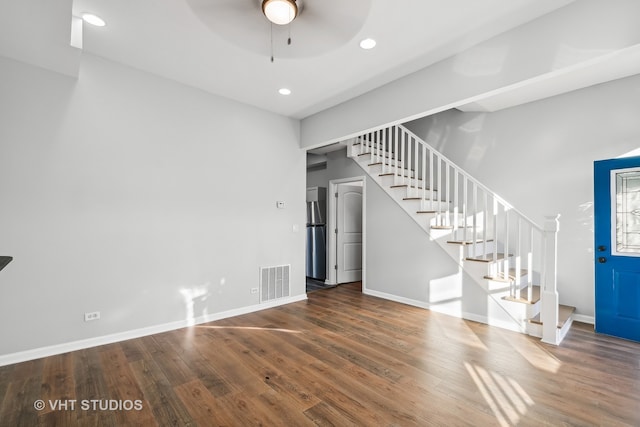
574 34
338 166
539 156
317 176
406 265
143 199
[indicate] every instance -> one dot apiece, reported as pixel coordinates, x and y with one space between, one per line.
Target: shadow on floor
316 285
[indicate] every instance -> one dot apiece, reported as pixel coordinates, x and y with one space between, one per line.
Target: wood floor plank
123 385
5 374
287 412
204 371
203 407
256 354
164 403
90 385
325 415
22 390
339 358
352 407
57 380
172 366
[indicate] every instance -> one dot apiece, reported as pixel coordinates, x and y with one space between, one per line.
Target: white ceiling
222 46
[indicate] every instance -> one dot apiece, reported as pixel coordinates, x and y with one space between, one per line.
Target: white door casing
349 233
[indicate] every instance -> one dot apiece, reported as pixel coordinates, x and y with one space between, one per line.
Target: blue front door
617 247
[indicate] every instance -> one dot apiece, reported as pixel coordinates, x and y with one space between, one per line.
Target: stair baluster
395 150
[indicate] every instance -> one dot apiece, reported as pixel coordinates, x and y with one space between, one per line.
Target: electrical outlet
95 315
254 290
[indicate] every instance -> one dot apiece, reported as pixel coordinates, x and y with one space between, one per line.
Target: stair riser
377 157
394 183
406 192
412 182
460 235
479 249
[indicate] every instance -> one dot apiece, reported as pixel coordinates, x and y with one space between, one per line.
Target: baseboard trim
396 298
24 356
584 319
439 309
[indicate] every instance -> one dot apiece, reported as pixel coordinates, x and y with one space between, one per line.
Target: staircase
509 256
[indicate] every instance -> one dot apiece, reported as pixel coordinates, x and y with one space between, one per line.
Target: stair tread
487 258
449 227
399 176
535 296
407 176
468 242
444 202
386 156
564 313
510 277
412 186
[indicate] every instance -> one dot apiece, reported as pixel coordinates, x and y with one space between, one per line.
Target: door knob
602 248
602 260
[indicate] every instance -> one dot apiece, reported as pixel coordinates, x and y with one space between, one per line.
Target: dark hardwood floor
341 358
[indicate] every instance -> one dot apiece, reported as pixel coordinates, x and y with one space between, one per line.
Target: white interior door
348 233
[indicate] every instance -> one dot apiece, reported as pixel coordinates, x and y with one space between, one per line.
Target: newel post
549 309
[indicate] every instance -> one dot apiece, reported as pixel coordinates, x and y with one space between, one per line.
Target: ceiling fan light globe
280 12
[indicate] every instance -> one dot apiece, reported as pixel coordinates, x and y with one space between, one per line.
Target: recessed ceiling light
284 91
92 19
368 44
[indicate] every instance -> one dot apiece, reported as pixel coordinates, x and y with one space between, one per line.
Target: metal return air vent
274 282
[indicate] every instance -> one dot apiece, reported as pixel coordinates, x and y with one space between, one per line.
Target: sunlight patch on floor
506 398
537 356
460 332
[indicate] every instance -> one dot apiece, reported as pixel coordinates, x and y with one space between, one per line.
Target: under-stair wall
405 266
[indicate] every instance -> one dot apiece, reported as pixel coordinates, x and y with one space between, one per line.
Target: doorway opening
346 237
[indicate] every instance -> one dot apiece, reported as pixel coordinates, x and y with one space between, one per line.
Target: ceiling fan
316 26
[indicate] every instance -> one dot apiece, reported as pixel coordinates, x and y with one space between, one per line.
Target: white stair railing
516 249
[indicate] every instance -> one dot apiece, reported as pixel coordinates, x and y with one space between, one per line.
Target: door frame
331 226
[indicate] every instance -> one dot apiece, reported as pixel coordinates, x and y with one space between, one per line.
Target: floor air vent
274 282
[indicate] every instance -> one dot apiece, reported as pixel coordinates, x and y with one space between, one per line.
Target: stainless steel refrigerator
316 233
